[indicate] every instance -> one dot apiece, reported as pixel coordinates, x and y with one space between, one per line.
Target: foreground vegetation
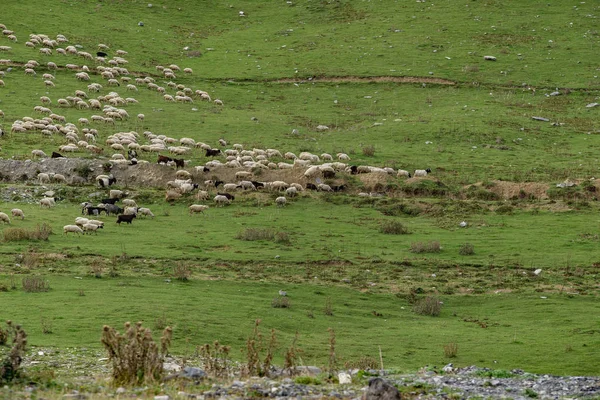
508 258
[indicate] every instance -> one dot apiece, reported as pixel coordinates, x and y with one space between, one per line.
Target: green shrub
466 249
450 350
368 151
40 232
9 366
425 247
35 284
252 234
135 357
280 302
505 209
393 228
429 305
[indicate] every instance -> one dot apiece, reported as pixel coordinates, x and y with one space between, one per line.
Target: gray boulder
379 389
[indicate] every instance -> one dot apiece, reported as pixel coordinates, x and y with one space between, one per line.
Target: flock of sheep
109 109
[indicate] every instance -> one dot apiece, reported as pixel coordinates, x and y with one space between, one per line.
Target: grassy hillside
398 84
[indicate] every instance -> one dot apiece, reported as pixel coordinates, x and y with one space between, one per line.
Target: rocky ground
88 371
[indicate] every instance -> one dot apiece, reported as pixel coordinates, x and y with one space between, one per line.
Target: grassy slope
202 311
314 38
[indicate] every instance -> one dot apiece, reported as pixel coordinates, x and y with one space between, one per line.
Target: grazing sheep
43 178
291 191
221 200
116 194
230 187
130 211
197 208
72 229
129 203
202 195
403 172
281 201
172 195
59 178
422 172
145 212
324 188
17 212
4 218
218 102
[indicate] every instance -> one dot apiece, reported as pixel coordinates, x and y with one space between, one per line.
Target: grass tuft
429 305
425 247
35 284
393 228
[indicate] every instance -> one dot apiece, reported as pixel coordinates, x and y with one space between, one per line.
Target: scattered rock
344 378
592 105
322 127
489 58
380 389
540 119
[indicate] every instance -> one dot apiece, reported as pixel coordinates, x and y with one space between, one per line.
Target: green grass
519 332
296 65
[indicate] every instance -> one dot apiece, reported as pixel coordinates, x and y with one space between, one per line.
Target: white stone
344 378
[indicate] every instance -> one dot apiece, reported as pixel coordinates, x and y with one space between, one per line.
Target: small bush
450 350
292 354
281 302
505 209
182 272
425 247
216 359
282 237
83 170
46 325
135 357
368 151
255 344
328 309
466 249
40 232
35 284
393 228
9 367
252 234
364 363
429 305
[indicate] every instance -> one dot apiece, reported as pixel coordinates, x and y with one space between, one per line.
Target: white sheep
403 172
72 229
4 218
115 194
343 157
80 221
421 172
324 187
281 201
38 153
202 195
17 212
197 208
129 203
143 211
59 178
130 211
279 185
291 191
247 185
96 222
47 202
228 187
43 178
221 200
